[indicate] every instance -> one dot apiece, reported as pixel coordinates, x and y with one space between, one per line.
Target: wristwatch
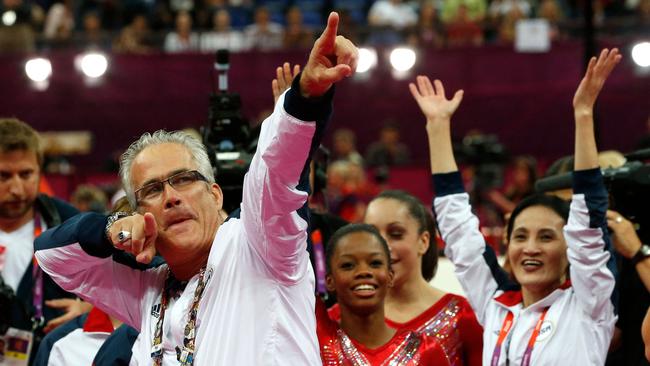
643 253
111 220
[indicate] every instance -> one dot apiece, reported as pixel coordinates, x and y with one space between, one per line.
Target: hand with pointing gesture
137 235
332 58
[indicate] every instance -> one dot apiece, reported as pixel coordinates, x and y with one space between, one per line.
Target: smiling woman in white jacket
556 307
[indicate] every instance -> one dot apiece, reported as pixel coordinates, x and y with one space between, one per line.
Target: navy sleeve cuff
448 183
589 182
87 229
307 109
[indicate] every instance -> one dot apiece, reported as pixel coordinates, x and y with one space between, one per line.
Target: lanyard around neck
37 280
185 354
503 333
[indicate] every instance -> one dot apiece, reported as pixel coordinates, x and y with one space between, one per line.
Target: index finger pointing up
328 37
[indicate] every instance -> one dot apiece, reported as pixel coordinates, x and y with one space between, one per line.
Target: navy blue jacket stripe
86 229
590 183
448 183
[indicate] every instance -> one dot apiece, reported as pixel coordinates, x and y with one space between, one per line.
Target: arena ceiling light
641 54
9 18
367 59
93 64
402 59
38 69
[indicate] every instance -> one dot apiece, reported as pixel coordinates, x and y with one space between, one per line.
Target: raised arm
475 263
586 153
332 59
438 111
274 210
590 252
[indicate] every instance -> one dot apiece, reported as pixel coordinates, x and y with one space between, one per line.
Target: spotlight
9 18
93 65
402 59
38 69
367 59
641 54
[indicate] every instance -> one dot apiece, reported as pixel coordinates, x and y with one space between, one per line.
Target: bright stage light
641 54
9 18
93 65
367 59
402 59
38 69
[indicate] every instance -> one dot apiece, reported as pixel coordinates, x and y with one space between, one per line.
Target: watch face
645 250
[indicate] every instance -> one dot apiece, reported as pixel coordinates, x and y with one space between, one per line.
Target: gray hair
193 145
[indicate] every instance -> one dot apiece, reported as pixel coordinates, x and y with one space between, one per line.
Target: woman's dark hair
425 223
351 229
555 204
530 164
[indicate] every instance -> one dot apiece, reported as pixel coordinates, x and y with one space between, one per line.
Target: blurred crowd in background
145 26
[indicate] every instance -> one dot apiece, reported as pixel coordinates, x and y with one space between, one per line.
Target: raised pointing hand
142 242
332 58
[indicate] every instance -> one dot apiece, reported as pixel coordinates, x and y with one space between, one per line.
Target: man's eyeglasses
179 181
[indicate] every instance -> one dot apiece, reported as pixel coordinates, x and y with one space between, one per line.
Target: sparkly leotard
406 348
451 323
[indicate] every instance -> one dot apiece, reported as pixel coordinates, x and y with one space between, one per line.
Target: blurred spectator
59 22
463 30
222 35
179 6
348 190
182 39
344 147
576 10
643 13
392 13
474 10
348 27
389 19
135 37
162 18
501 8
264 35
89 198
93 36
521 184
205 12
508 23
16 34
389 150
55 163
551 11
429 32
296 35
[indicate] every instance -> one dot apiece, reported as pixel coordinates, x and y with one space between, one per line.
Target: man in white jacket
238 291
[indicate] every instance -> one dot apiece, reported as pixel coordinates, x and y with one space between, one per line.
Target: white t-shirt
19 250
77 348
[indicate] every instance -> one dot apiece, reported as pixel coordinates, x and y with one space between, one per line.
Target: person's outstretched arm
438 111
586 153
590 254
274 210
475 263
